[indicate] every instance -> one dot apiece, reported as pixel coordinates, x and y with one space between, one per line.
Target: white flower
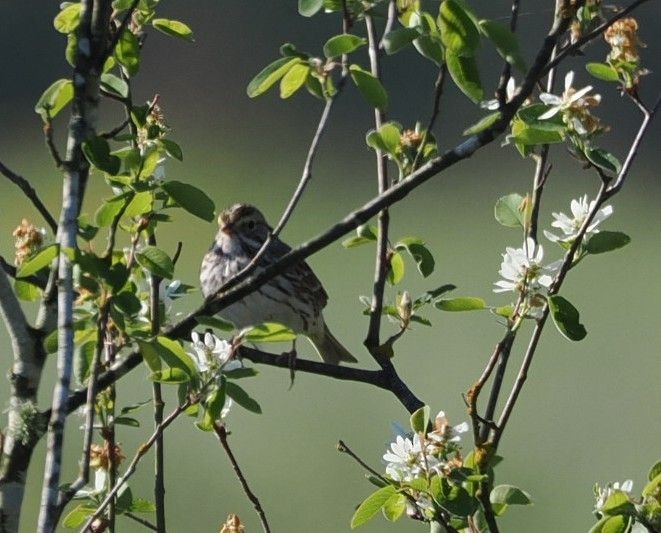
522 270
445 432
406 461
602 494
212 352
570 98
580 209
575 107
494 105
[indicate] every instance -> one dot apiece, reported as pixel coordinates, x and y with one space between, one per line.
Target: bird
295 298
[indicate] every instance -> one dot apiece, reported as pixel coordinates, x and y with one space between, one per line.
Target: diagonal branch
221 432
32 195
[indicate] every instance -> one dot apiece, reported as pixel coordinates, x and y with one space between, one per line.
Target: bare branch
382 263
94 24
221 432
31 194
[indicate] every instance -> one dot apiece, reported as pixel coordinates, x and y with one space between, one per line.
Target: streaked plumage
295 298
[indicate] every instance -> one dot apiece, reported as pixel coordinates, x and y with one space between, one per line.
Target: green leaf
386 138
454 498
602 71
430 46
83 359
270 75
483 124
213 407
190 198
97 152
369 86
399 38
458 31
172 149
606 241
509 495
155 261
269 332
651 488
343 44
149 354
617 503
372 505
420 419
307 8
603 159
42 259
114 85
505 42
26 291
465 74
352 242
78 516
54 99
127 421
127 52
533 135
67 20
214 322
566 318
420 254
241 397
466 303
611 524
174 28
140 505
174 355
170 375
240 373
141 203
396 270
654 471
394 507
293 80
510 210
106 214
127 302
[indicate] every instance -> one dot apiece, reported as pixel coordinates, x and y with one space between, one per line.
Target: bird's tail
330 349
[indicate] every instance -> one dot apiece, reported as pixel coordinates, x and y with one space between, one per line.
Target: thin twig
121 27
604 194
141 520
343 448
115 131
158 404
31 194
221 432
381 264
83 477
436 108
390 21
130 470
501 91
50 143
591 36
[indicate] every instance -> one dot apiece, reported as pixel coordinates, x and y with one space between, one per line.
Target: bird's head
245 221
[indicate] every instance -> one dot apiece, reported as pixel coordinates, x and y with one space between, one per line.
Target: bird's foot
291 359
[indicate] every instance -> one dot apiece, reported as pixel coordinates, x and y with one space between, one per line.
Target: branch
382 263
31 194
130 470
221 432
591 36
501 91
605 193
94 24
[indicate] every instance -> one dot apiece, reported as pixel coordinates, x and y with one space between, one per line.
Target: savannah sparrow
295 298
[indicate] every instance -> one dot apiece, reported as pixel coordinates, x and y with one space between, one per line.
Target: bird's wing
301 274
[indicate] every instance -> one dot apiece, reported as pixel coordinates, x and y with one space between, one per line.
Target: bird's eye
251 224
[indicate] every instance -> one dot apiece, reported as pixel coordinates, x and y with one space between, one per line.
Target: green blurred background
589 411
